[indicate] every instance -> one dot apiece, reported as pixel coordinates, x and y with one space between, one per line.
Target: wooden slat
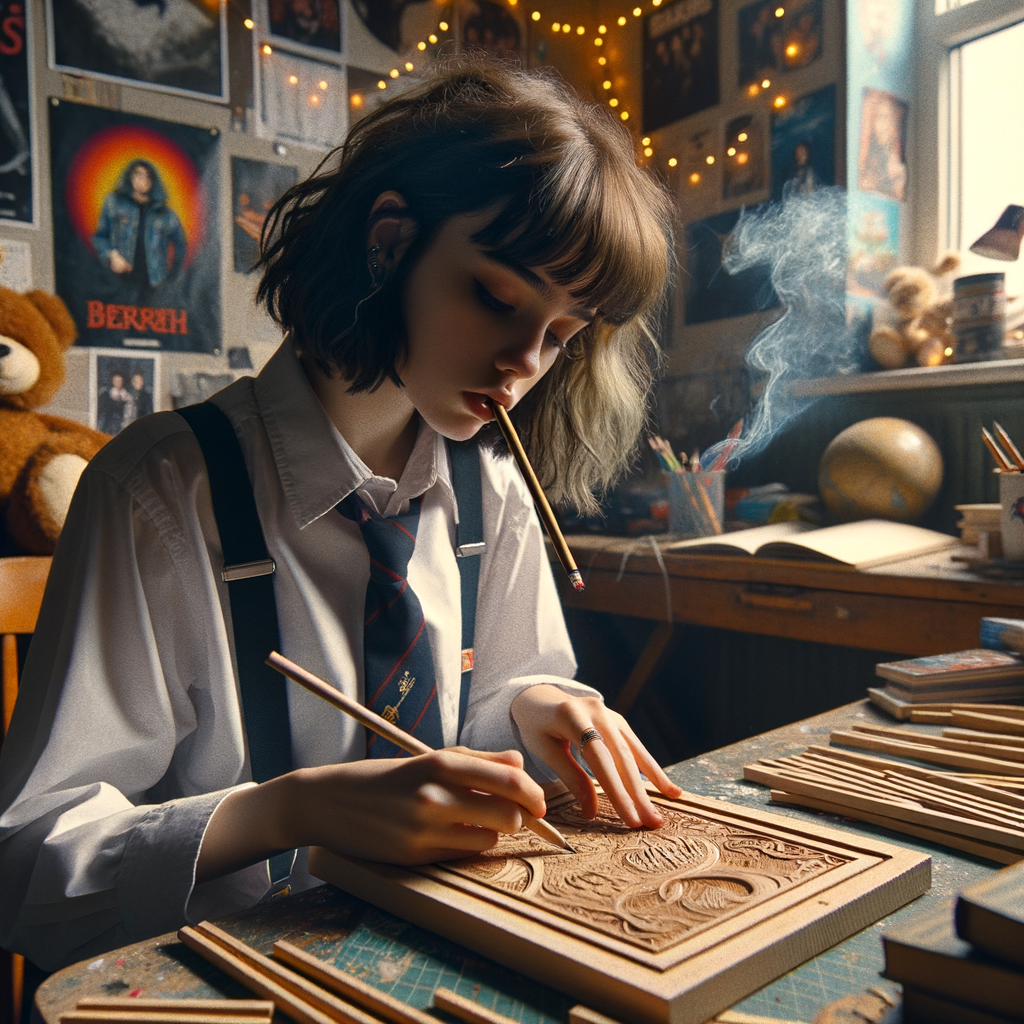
466 1010
932 755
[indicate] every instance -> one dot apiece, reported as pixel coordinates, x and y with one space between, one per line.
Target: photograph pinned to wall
299 100
744 165
306 23
178 46
17 168
770 42
881 157
397 24
255 187
712 292
873 238
680 61
803 144
487 26
15 265
123 387
135 204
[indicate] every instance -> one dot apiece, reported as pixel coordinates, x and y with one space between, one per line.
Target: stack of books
964 963
964 677
979 527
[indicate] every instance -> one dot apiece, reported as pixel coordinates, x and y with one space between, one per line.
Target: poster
770 42
873 232
313 23
302 100
123 386
680 61
881 155
255 187
110 172
176 45
712 292
396 23
16 167
744 165
804 143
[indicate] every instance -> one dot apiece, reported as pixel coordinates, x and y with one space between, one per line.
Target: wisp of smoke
803 239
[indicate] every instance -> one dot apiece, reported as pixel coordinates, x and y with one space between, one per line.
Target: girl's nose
522 355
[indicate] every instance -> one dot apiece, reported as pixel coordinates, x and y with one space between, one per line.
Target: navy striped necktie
399 681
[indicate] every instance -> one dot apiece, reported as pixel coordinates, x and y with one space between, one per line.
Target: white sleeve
520 638
106 784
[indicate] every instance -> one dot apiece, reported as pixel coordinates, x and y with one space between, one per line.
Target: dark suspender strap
469 546
248 571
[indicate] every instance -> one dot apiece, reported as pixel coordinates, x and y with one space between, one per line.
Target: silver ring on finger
588 735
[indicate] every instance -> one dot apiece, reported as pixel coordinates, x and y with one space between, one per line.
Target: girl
484 238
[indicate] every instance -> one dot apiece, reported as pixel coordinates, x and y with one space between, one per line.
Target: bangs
593 227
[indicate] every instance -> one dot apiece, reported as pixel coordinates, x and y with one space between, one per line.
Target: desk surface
410 962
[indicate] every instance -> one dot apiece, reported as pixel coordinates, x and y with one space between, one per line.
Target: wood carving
665 926
650 889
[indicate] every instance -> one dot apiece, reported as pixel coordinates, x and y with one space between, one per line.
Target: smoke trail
803 238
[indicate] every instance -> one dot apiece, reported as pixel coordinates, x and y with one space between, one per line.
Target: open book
860 545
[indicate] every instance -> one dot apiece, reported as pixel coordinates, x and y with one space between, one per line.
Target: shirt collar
316 465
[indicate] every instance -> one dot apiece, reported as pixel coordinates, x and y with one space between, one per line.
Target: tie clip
466 550
246 570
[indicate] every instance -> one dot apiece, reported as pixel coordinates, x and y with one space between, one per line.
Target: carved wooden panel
665 926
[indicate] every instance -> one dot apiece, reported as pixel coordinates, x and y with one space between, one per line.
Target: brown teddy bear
41 457
922 333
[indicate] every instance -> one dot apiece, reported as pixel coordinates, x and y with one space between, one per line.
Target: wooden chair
22 581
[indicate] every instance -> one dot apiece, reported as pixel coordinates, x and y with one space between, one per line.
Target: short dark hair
561 177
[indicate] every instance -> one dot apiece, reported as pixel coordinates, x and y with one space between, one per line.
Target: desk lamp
1002 242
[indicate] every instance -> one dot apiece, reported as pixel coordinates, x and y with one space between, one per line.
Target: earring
374 265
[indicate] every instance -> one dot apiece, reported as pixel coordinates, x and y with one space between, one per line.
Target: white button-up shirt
128 731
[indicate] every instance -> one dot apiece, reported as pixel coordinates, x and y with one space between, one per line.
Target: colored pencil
372 721
547 517
1007 443
1002 461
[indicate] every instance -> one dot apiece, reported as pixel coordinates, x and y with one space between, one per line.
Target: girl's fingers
629 775
605 769
558 757
479 810
648 765
459 771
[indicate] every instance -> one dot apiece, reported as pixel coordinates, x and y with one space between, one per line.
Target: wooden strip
953 780
155 1017
990 852
352 988
225 1007
467 1010
994 834
989 723
985 737
985 748
242 971
932 755
330 1005
930 717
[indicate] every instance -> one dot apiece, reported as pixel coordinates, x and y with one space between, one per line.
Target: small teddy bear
41 456
922 332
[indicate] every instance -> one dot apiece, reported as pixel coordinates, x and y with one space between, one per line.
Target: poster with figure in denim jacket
135 219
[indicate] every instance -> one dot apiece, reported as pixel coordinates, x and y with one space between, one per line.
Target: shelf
996 371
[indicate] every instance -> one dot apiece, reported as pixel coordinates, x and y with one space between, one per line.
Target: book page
864 543
742 542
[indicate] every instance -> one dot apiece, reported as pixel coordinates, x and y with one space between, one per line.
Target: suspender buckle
246 570
467 550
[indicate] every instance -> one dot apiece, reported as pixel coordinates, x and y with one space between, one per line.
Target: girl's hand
550 720
438 806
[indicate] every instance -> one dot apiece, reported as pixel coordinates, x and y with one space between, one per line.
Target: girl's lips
480 405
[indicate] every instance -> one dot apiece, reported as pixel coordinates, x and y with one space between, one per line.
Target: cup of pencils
1010 467
696 496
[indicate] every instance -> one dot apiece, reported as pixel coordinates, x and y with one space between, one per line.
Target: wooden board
655 927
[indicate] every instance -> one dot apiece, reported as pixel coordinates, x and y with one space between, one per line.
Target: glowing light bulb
742 137
580 30
613 102
408 65
249 24
672 161
602 61
267 50
792 50
742 158
535 15
443 25
421 45
566 28
602 29
731 151
624 115
598 41
648 151
382 84
766 83
695 178
393 72
780 11
432 37
314 100
512 3
637 12
556 26
709 159
657 3
947 351
356 99
622 20
293 79
606 84
779 102
645 141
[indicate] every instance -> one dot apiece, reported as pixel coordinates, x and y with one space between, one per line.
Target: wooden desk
409 963
926 605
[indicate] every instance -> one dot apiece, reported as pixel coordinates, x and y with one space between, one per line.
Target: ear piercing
375 267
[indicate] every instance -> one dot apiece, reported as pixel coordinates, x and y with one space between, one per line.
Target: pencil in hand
547 517
405 741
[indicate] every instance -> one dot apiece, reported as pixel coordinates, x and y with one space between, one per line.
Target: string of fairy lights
599 35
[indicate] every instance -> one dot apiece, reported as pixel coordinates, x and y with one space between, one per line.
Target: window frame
935 149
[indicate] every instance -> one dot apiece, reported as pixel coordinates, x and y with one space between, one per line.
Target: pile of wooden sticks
979 811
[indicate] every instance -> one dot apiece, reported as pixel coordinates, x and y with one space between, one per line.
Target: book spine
991 631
